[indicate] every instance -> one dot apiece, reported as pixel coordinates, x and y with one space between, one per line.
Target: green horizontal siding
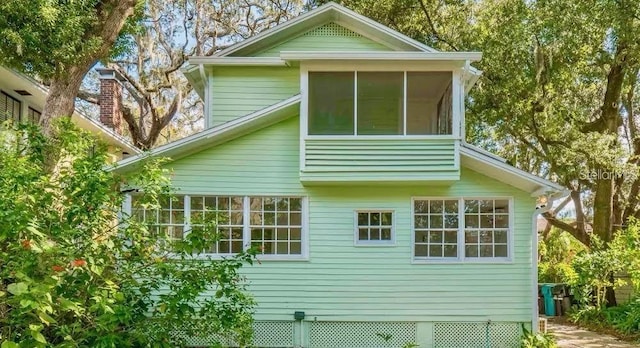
364 159
343 282
329 37
238 91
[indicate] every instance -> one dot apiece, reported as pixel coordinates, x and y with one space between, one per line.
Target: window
9 108
380 103
461 229
274 224
227 213
380 100
374 227
436 228
167 222
331 103
486 228
33 116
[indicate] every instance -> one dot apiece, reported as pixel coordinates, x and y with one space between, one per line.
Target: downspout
203 76
534 252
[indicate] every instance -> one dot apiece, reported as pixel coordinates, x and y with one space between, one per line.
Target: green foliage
556 254
71 275
623 318
596 268
537 340
48 37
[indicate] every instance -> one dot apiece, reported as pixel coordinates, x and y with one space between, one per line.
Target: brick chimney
110 99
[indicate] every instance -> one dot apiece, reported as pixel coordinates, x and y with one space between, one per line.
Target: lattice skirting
266 334
480 335
360 334
350 334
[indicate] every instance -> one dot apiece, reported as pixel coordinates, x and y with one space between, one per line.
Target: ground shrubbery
591 271
72 276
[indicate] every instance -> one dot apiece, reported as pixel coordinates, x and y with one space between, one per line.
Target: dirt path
569 336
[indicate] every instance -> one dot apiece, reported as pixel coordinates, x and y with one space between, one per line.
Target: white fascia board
236 61
390 56
541 185
205 136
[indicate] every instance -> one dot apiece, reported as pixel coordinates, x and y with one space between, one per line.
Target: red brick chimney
110 99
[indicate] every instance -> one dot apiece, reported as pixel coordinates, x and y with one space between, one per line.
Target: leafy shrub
71 275
623 318
596 268
537 340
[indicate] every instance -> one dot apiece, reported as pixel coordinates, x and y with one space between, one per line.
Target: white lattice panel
332 29
477 335
273 334
360 334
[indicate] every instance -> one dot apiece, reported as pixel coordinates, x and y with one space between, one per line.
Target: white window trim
306 68
372 243
461 258
246 230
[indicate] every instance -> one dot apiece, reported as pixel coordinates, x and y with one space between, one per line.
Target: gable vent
332 29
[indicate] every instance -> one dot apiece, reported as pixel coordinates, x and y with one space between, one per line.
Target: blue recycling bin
549 303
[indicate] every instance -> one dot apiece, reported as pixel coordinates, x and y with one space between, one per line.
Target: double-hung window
374 227
457 229
380 103
275 225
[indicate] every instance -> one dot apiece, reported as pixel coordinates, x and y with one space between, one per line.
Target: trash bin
549 302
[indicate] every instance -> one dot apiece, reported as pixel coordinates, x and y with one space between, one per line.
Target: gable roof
330 12
38 96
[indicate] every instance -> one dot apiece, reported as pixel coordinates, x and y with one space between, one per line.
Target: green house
337 145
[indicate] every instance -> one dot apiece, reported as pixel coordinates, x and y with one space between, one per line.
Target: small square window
374 228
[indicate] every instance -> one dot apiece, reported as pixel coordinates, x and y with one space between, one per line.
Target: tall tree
59 41
159 98
558 92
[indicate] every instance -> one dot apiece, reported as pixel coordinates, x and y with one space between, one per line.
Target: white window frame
457 97
461 258
304 233
374 243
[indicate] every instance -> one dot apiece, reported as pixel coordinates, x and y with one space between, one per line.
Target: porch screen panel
380 103
331 104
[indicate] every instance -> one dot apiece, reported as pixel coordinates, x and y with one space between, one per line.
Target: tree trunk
61 99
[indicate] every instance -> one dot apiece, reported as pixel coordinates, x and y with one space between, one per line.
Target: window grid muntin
506 233
228 214
371 225
167 223
296 232
436 220
269 236
481 228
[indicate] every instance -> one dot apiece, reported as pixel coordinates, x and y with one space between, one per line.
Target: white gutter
205 82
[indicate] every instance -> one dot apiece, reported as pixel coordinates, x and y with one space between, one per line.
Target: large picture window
273 224
461 229
380 103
